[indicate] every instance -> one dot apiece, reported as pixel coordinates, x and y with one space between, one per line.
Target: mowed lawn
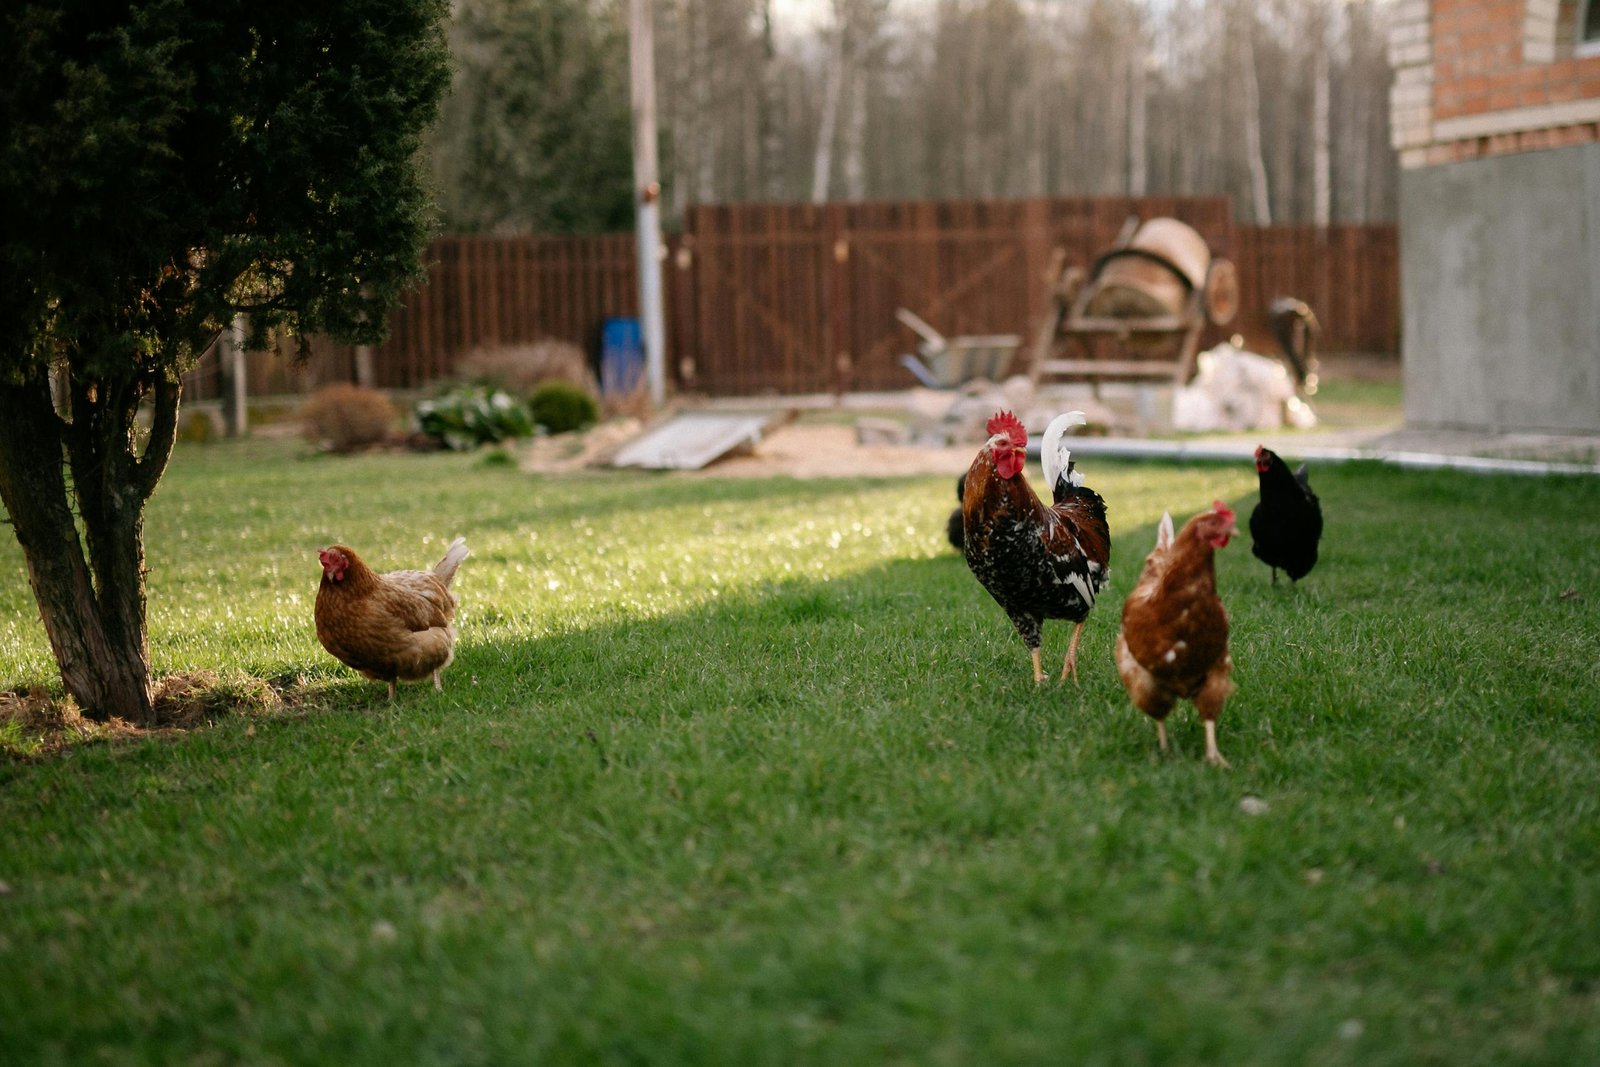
753 772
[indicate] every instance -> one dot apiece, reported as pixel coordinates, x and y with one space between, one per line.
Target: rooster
388 627
1287 524
1174 638
1038 562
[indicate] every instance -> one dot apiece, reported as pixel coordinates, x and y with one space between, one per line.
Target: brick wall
1477 78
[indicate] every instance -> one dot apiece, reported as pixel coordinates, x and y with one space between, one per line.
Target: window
1589 24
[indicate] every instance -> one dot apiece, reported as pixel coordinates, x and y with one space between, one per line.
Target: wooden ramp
689 442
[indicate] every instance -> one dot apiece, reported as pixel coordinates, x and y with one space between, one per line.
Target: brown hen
388 627
1174 639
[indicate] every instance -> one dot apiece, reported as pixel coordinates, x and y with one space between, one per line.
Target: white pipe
642 69
1129 448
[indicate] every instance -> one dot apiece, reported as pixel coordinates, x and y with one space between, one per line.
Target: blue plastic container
621 356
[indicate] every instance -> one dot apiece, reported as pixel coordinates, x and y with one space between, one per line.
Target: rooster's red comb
1006 423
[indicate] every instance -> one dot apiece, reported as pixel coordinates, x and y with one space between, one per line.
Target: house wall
1501 294
1496 117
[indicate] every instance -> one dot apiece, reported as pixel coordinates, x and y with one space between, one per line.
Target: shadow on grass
914 637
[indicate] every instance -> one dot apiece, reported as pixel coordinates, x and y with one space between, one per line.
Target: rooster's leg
1070 665
1212 755
1038 668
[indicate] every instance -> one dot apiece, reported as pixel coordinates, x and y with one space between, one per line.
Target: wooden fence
793 298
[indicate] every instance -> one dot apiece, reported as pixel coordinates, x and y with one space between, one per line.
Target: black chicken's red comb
1006 423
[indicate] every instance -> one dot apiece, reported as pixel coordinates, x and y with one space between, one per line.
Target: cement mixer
1153 293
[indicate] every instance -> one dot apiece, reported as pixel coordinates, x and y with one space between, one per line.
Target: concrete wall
1500 291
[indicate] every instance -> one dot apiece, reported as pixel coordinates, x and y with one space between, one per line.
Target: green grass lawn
753 772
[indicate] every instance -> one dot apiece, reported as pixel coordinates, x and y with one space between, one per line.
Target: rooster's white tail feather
1054 456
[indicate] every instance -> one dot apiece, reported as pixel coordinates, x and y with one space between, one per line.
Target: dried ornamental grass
347 418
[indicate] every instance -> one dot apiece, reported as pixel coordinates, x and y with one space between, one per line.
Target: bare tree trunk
769 128
1321 133
93 611
854 163
1260 203
1138 157
822 167
704 121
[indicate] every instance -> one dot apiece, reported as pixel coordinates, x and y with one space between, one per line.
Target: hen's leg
1208 702
1070 665
436 683
391 688
1213 757
1038 667
1145 692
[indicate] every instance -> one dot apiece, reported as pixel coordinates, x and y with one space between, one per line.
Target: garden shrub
471 415
562 408
346 418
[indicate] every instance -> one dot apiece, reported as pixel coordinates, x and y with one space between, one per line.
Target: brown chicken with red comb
1174 639
394 627
1038 561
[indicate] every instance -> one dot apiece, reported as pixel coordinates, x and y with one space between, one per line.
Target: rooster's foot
1070 665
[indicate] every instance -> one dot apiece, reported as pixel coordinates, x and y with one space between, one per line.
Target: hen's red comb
1222 509
1006 423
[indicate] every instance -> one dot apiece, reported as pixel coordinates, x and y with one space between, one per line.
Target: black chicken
1287 524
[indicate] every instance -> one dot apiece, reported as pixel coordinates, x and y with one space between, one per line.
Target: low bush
562 408
347 418
471 415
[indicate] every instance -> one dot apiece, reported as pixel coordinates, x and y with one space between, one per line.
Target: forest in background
1280 105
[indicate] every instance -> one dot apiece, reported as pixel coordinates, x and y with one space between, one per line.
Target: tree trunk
93 610
822 163
1138 146
769 124
1260 204
1321 123
854 163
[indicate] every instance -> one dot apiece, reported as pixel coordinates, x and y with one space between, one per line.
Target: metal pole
238 404
642 66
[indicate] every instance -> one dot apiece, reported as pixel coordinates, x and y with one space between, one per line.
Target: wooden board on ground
689 442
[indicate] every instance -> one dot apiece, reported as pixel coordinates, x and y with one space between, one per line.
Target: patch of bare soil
34 724
194 698
576 451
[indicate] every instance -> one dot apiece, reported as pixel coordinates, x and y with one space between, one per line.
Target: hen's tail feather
446 568
1164 534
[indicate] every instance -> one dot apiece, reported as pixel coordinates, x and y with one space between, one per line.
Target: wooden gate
750 288
796 298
